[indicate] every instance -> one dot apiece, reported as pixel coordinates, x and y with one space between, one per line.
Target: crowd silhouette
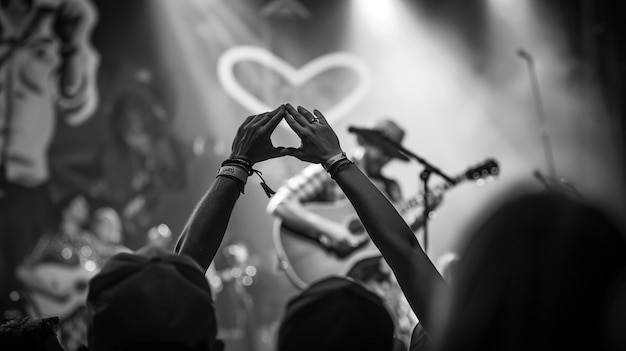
539 270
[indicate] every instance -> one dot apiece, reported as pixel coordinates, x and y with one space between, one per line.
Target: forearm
310 224
205 229
416 274
207 224
417 224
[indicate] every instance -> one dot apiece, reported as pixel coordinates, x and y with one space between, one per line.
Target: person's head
136 122
374 273
151 299
72 213
538 273
106 224
77 209
377 156
336 314
27 333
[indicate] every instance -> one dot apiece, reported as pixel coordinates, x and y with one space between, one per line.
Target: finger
297 116
276 118
294 124
268 115
262 119
308 115
320 117
248 120
243 125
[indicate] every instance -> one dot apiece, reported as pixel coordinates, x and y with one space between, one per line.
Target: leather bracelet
339 165
328 164
235 172
239 161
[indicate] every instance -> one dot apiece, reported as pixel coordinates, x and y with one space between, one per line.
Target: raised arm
416 274
207 224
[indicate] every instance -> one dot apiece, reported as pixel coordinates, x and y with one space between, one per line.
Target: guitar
63 289
305 260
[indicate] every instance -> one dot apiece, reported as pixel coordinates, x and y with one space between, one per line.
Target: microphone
378 138
370 134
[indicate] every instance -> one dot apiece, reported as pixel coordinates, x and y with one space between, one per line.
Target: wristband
328 164
235 172
241 162
337 166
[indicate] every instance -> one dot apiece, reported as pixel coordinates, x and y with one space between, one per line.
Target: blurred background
536 85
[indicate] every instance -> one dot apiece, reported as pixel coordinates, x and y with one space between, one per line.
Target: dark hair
538 273
126 312
217 345
27 333
336 314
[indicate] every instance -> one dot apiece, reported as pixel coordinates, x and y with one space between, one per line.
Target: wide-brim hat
393 132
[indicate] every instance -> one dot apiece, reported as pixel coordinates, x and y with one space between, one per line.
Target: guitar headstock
482 172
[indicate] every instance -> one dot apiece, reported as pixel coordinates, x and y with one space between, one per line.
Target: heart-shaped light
296 77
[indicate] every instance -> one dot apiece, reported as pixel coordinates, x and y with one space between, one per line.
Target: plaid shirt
313 183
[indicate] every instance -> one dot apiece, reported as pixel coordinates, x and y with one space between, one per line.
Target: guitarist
314 184
56 273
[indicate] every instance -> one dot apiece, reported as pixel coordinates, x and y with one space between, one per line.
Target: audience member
32 334
336 313
153 299
314 185
543 271
415 273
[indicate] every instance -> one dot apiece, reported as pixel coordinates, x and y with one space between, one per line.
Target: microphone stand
545 137
553 182
429 169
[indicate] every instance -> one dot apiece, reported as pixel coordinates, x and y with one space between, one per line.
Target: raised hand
252 141
319 141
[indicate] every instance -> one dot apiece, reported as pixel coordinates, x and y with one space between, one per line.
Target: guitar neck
416 201
488 168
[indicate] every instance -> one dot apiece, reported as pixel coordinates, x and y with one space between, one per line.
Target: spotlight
285 9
